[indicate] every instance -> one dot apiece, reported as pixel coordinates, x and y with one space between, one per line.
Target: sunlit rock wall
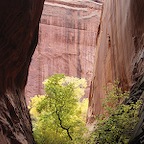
119 51
67 42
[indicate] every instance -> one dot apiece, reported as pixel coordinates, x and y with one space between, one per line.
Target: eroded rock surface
19 21
119 51
67 42
136 93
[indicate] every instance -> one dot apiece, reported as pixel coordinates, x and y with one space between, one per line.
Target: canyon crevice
19 25
119 55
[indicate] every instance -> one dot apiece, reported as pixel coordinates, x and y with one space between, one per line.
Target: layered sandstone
67 41
119 54
19 23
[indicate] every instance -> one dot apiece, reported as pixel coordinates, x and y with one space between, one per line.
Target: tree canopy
59 116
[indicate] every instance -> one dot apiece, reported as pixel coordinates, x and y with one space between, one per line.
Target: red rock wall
67 42
19 23
119 49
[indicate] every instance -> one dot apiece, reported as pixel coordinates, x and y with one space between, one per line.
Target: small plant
115 126
59 116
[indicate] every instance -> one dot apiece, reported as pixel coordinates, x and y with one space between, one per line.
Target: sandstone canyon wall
19 22
119 53
67 41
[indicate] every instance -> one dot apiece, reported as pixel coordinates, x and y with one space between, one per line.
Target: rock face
137 92
67 42
119 50
19 21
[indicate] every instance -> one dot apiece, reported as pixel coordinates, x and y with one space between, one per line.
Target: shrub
115 126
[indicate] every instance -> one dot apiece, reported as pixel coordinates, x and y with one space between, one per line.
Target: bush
115 126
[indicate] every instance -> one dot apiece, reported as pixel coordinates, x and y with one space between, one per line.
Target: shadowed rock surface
19 23
137 92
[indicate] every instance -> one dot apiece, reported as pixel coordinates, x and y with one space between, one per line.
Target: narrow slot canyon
71 71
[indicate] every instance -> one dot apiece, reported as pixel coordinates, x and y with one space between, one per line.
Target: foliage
118 121
59 116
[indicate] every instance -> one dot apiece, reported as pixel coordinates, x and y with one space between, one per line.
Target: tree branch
67 129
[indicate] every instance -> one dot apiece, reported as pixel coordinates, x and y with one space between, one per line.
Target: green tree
59 116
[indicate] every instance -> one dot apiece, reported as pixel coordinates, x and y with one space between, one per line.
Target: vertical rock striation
19 23
119 51
67 42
